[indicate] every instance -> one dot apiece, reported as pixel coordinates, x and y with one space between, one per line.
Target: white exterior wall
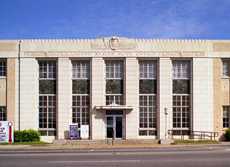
132 97
98 122
64 94
29 87
203 94
164 96
16 96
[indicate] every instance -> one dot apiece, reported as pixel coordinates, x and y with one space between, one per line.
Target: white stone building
122 88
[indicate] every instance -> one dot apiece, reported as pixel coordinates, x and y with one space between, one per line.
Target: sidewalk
108 146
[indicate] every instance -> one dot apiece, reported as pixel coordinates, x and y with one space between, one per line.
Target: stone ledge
105 142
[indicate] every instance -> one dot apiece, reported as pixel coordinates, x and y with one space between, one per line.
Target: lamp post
166 126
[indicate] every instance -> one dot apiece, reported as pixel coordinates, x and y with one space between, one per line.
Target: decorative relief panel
113 53
113 43
8 46
221 47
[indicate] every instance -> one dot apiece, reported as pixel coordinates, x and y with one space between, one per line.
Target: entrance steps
105 142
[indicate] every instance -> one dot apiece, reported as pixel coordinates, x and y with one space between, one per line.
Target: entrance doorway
114 124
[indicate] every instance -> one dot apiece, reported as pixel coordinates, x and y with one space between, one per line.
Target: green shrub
227 134
26 136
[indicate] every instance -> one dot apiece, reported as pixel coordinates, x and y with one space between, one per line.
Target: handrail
200 134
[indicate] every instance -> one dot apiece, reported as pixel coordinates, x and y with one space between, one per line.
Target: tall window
226 68
80 92
226 116
2 67
47 98
181 97
147 98
114 82
3 115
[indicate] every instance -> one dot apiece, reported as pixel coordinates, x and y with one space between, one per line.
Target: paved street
157 157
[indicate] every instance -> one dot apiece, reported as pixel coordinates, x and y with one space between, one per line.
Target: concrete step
106 142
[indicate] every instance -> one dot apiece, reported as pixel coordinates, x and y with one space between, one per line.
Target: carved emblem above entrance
113 43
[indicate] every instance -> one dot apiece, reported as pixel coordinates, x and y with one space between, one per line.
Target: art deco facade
122 88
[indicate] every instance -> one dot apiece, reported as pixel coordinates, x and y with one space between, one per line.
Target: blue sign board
74 132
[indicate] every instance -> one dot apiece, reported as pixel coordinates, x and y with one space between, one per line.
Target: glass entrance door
118 125
114 126
110 128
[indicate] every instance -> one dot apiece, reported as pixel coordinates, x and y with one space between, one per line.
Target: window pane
181 111
80 69
2 67
226 66
114 69
47 86
47 114
143 133
181 69
226 116
80 86
147 114
80 110
117 99
148 86
181 86
3 114
147 69
47 69
114 86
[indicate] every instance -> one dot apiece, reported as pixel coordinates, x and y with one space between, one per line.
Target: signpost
6 132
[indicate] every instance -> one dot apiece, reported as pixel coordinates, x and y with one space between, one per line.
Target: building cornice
115 47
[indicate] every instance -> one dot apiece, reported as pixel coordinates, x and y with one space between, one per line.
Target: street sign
6 132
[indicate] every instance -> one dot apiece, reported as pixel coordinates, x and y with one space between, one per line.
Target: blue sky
205 19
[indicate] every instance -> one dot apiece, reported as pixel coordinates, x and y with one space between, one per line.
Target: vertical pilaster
203 94
11 89
217 95
3 88
132 97
164 97
29 86
98 127
64 94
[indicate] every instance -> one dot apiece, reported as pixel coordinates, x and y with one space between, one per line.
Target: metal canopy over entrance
114 107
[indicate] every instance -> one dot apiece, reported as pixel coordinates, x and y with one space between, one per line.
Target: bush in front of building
227 134
26 136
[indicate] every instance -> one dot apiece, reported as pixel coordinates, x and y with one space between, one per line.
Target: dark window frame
81 92
114 72
226 116
181 104
47 108
47 115
147 98
225 68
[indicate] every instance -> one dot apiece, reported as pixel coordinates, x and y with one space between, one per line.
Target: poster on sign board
6 132
84 131
74 132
